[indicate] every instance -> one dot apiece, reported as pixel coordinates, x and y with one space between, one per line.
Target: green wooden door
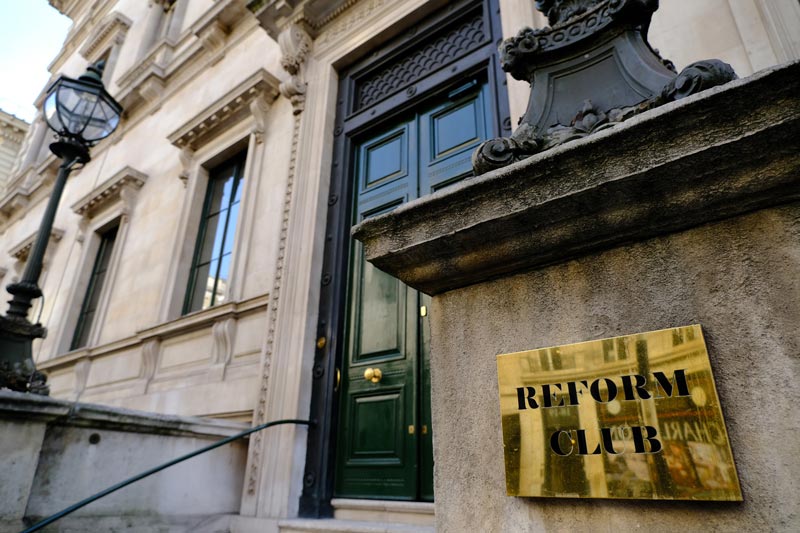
384 441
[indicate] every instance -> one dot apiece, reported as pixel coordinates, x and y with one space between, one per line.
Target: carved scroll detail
295 45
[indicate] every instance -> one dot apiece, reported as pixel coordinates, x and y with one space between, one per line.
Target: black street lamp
81 112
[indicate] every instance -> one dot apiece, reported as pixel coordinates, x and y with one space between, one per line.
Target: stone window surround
107 38
233 122
145 83
110 203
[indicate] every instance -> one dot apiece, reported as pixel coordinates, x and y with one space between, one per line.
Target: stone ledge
718 154
46 409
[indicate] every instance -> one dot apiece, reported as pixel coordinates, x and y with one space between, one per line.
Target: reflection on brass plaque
630 417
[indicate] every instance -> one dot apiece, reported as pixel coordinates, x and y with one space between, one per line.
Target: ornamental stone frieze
591 69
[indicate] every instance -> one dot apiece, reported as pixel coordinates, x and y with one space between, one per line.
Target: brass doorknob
373 374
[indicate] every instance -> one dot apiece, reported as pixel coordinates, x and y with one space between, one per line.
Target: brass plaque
629 417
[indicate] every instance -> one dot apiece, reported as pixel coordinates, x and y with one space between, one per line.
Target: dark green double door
385 438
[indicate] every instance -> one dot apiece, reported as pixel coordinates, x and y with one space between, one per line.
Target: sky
31 34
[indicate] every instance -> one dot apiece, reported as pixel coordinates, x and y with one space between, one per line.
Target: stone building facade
12 132
201 264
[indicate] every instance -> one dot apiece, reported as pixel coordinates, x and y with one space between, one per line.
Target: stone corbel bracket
295 45
275 15
214 27
121 188
604 41
251 97
144 83
110 32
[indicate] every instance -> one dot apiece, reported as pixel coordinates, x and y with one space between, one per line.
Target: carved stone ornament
295 45
591 69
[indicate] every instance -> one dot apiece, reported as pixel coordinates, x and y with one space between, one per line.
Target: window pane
199 280
222 279
210 281
231 231
211 270
216 188
94 290
209 237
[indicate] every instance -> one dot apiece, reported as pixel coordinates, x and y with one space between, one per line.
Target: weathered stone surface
726 151
739 279
57 453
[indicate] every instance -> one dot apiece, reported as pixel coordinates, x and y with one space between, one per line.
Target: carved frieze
422 60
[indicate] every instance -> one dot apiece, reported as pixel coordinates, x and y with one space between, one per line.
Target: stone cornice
714 155
110 31
79 30
20 251
110 192
275 15
226 111
9 122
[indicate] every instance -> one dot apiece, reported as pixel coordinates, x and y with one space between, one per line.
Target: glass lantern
82 110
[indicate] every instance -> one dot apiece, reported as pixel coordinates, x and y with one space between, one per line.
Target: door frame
318 478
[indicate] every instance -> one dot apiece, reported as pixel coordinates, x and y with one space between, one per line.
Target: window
211 266
95 289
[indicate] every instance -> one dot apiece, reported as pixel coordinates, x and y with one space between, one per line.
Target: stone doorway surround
316 39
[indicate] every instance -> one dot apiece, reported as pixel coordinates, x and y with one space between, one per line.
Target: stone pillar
685 214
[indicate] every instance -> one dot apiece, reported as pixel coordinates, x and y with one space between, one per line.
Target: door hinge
423 310
411 430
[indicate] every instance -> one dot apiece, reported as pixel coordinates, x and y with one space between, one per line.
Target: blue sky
31 34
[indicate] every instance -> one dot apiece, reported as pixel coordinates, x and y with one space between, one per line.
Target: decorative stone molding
275 15
295 45
121 187
259 108
186 156
110 32
144 84
342 26
20 251
217 23
81 371
151 349
225 112
222 333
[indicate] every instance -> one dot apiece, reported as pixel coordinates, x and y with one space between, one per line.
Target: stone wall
57 453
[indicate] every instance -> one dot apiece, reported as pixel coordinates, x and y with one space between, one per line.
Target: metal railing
72 508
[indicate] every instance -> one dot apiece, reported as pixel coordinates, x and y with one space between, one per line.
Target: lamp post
81 113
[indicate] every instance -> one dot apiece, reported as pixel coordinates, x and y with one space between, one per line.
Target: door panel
385 435
449 133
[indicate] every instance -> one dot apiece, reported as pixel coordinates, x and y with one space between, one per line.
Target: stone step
389 511
337 525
